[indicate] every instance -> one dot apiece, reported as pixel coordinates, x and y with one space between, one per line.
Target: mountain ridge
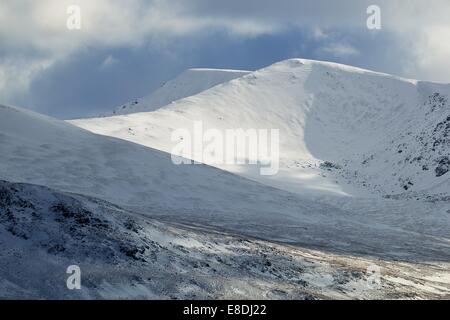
187 83
326 112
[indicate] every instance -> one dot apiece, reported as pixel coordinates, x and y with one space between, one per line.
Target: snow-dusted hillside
188 83
124 255
41 150
343 130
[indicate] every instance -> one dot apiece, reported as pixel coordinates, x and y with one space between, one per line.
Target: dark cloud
85 85
124 52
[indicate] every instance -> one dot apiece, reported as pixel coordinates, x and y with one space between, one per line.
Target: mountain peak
387 134
300 62
187 83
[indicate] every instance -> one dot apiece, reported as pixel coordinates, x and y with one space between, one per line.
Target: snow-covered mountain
40 150
140 226
343 130
188 83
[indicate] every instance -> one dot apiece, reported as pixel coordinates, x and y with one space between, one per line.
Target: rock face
443 167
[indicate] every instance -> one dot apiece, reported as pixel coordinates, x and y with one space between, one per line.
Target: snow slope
41 150
188 83
125 255
343 130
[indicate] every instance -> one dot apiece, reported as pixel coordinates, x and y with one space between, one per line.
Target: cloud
34 37
318 34
341 50
431 54
16 74
108 62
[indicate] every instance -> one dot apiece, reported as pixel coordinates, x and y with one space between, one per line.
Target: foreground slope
188 83
343 130
125 255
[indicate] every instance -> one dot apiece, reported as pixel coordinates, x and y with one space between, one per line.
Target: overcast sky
125 49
